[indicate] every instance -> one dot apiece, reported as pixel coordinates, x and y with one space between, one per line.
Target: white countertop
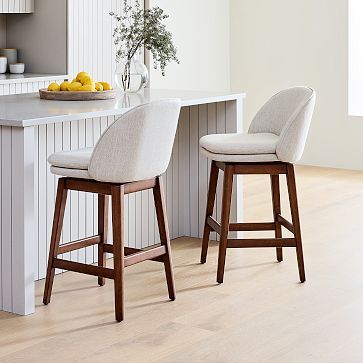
29 110
29 77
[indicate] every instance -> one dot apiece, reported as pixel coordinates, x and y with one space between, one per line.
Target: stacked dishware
9 61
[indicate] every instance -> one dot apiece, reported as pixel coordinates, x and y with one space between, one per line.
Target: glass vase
131 75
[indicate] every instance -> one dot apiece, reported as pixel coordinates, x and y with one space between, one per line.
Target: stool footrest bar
261 242
284 222
76 245
131 251
212 223
141 256
252 226
83 268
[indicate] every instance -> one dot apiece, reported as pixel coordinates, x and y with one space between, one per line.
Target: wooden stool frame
274 169
123 256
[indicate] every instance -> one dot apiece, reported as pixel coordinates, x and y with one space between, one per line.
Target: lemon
106 86
53 87
88 81
64 86
87 88
75 86
74 80
99 87
81 75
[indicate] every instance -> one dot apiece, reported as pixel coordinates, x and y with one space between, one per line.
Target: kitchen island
31 129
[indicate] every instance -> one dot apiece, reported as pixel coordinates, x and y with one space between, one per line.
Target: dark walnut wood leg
161 215
225 215
103 205
276 206
59 208
291 185
213 180
117 195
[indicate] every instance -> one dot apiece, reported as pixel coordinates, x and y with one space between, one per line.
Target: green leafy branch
137 27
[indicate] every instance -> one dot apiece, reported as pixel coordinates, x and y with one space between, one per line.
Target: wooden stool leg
225 214
117 194
213 179
161 215
103 201
276 206
291 185
59 208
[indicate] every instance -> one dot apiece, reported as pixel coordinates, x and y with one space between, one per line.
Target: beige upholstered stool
129 157
275 140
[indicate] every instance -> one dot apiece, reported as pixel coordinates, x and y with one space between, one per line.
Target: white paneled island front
31 129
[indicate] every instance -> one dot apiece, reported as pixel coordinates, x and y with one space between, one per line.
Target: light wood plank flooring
260 314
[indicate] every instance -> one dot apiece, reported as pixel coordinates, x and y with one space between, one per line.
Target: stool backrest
288 114
138 145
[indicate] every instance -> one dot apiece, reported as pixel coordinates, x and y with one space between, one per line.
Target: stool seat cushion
240 148
70 173
72 164
239 158
73 159
240 144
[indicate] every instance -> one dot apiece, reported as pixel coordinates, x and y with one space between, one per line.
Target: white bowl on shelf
17 68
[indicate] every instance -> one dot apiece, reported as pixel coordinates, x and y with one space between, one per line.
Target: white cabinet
16 6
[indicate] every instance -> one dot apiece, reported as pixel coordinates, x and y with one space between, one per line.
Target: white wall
355 104
201 32
282 43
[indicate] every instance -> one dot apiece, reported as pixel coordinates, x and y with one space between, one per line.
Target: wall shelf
30 77
16 6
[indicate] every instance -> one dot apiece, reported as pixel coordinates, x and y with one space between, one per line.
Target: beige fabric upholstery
137 146
288 114
74 159
278 132
71 173
243 158
240 143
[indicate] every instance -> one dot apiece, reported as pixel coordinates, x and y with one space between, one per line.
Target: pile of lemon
82 83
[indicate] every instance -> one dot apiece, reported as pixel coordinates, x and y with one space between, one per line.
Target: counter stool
130 156
275 140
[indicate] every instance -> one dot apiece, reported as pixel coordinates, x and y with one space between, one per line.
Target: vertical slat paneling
203 168
138 221
90 34
212 129
168 178
89 197
36 197
1 248
82 196
221 129
234 124
42 201
50 183
6 214
96 135
184 171
16 6
6 6
194 172
74 196
174 222
66 145
58 136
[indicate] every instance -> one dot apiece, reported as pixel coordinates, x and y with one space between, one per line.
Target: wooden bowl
76 96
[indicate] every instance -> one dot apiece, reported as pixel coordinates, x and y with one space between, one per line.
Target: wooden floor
260 314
